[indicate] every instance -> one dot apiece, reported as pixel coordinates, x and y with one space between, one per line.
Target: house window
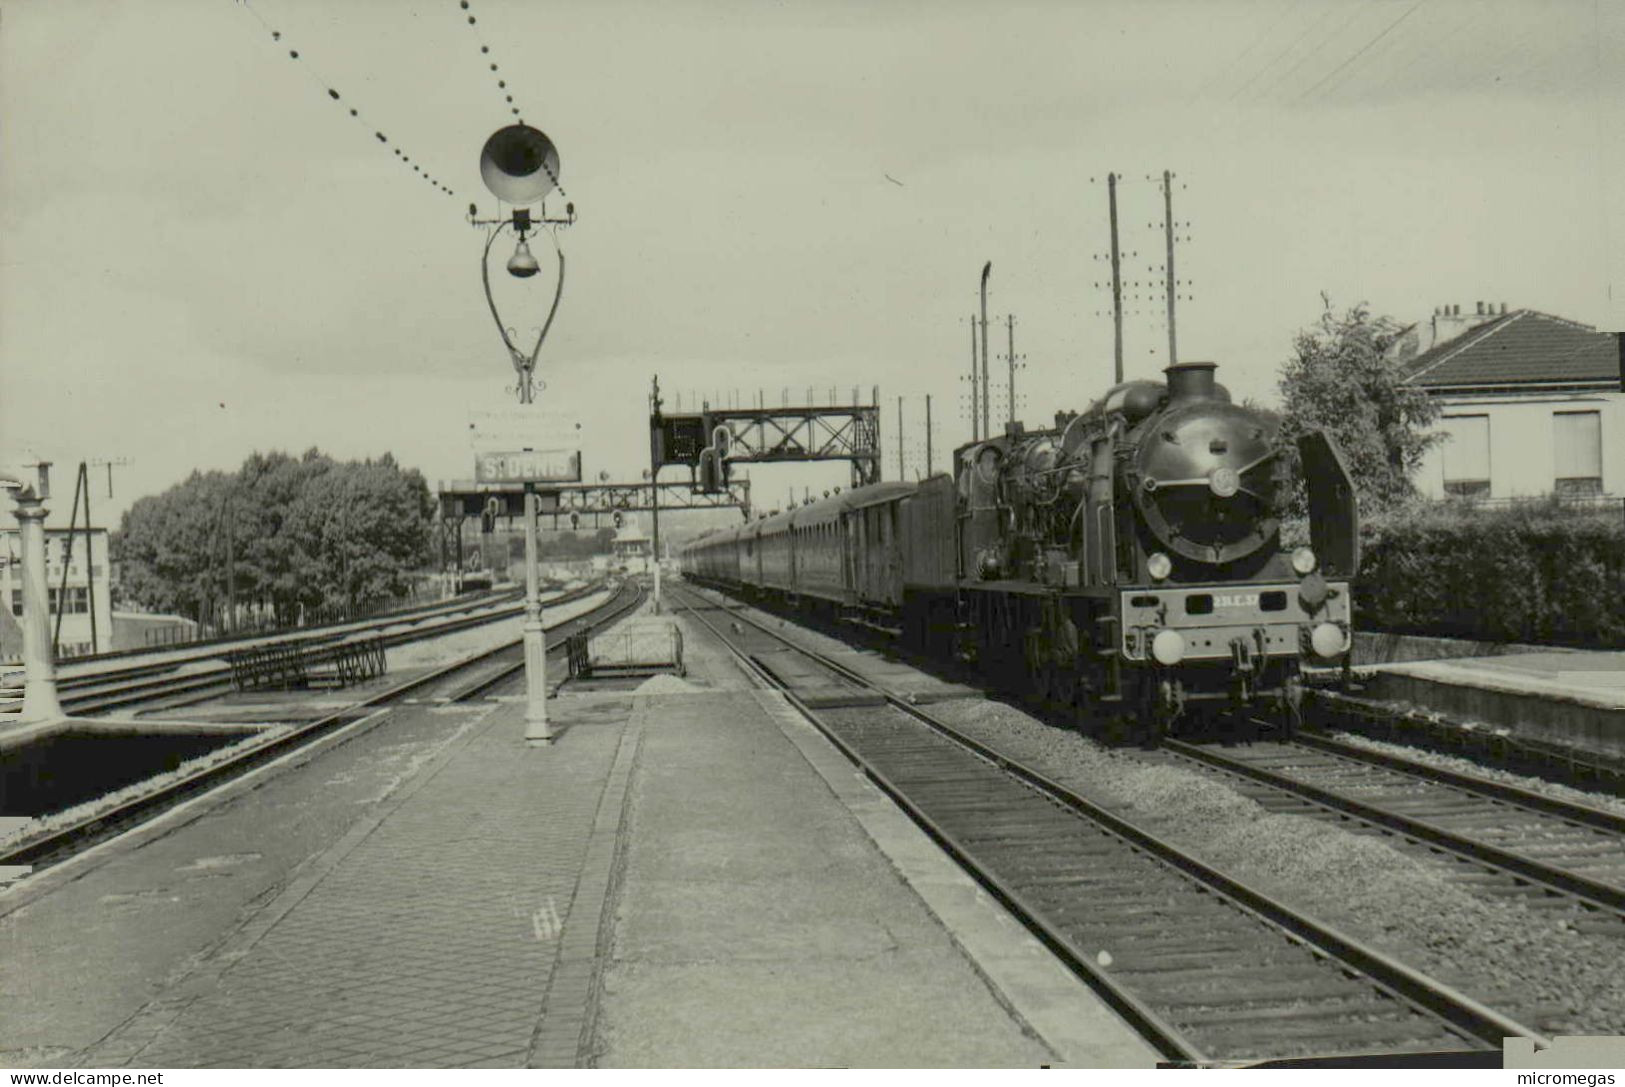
16 601
1467 456
1577 445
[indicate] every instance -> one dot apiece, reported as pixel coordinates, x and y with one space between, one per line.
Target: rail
1465 1017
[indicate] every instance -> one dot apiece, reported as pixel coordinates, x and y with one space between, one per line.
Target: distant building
145 630
632 549
1532 405
88 579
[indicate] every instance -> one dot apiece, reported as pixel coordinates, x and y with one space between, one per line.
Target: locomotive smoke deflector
1334 516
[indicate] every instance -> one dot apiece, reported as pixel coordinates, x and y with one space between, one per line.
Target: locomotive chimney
1189 381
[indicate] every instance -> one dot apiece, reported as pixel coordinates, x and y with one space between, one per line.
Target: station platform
1569 697
688 876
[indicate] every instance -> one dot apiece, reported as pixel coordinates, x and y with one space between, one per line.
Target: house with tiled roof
1532 405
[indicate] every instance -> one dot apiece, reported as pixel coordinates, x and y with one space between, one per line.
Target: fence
290 666
639 647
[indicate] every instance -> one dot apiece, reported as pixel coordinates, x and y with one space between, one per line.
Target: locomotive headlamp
1303 561
1327 639
1159 566
1169 647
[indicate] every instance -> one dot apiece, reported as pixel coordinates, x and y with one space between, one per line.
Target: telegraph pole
1117 278
975 424
1010 330
987 424
902 472
1168 235
928 461
654 484
231 569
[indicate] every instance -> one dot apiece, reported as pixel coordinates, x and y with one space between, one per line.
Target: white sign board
523 426
528 466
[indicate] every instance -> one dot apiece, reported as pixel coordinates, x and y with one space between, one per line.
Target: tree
308 535
1346 377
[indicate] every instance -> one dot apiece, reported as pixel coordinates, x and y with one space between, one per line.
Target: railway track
1207 968
197 677
1510 840
478 672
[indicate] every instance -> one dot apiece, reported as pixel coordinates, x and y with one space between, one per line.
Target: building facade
1532 405
84 601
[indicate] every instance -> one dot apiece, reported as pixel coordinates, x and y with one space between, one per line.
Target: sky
202 254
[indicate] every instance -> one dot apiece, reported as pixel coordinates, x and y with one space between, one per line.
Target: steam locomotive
1125 563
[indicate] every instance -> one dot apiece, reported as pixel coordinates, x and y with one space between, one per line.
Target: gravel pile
1604 801
664 684
1531 963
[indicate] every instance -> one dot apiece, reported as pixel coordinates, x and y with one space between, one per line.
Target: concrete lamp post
30 486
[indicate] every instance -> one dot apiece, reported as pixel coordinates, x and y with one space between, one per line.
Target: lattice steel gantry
764 435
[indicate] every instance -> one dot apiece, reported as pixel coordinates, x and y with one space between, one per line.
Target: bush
1535 572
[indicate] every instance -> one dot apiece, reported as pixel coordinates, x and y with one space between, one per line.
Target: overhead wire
1354 13
354 112
501 81
1403 51
1213 82
1273 61
1363 49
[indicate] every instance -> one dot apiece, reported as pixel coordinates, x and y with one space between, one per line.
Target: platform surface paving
426 938
668 884
1595 677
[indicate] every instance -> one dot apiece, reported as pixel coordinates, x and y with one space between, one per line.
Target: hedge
1534 572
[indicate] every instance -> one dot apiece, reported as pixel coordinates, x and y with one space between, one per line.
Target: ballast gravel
1529 962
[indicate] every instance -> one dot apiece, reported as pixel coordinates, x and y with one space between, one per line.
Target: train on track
1125 563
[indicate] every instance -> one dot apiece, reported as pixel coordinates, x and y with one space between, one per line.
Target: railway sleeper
1237 962
1217 989
1247 1007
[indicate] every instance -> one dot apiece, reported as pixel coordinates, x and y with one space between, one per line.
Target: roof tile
1524 346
